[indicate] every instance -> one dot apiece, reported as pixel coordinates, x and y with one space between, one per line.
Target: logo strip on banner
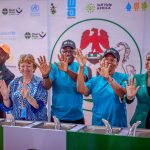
71 8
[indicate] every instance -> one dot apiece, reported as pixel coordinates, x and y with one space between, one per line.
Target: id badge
23 112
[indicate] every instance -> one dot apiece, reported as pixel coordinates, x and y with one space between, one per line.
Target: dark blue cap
114 52
68 43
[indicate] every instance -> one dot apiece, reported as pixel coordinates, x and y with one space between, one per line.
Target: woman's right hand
4 90
131 88
43 66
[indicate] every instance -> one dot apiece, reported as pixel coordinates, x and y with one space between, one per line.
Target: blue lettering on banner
71 8
71 12
71 3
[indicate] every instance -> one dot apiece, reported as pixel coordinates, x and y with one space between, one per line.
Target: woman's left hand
131 88
104 68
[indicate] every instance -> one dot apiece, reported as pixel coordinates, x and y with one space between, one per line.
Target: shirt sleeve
8 76
86 73
41 98
52 72
127 100
4 108
124 81
90 85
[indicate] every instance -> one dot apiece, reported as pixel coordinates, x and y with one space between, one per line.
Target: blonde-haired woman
25 96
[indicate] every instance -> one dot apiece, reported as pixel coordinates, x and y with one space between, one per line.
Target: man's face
3 56
68 51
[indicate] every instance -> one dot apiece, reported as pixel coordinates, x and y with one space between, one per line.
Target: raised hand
81 59
104 69
4 90
43 66
131 88
63 62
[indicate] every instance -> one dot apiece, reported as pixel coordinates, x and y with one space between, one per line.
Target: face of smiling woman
27 65
112 61
26 69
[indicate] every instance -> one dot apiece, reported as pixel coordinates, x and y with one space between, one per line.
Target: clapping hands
24 89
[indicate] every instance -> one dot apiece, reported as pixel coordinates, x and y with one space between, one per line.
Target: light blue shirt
66 101
106 103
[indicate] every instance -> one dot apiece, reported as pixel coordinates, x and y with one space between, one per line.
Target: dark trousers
80 121
148 121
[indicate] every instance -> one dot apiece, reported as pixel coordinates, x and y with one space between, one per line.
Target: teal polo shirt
106 104
66 101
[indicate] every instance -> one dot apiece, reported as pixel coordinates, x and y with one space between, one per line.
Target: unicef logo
35 8
4 11
27 35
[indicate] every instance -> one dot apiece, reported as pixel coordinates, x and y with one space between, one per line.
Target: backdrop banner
98 25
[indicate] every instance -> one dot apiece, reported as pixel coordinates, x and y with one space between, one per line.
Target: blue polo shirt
66 101
106 103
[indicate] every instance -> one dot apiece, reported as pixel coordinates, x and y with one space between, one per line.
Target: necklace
27 81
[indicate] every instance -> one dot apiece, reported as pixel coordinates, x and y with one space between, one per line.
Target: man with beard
107 89
5 74
62 76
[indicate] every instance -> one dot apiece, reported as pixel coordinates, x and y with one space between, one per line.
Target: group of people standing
26 96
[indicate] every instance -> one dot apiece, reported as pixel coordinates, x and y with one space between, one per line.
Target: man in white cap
5 73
